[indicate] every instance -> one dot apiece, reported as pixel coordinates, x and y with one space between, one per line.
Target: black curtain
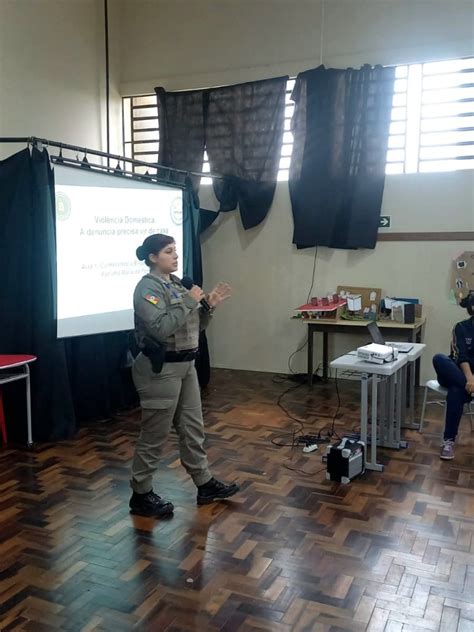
192 260
244 131
74 379
100 378
341 127
182 136
192 266
241 127
28 296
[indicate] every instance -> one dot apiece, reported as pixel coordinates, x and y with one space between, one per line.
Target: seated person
456 373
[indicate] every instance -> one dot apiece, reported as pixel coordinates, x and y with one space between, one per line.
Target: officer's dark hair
152 245
468 303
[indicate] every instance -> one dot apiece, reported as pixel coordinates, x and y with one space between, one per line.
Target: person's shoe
447 450
150 505
215 490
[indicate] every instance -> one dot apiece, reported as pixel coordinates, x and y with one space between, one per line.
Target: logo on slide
63 206
176 211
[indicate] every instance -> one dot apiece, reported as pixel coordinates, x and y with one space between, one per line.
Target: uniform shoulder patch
152 298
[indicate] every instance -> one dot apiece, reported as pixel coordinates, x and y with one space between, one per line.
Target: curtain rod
107 78
130 95
34 140
121 173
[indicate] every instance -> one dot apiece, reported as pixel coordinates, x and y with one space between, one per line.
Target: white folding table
389 376
412 357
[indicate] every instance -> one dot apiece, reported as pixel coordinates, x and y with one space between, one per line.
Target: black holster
156 353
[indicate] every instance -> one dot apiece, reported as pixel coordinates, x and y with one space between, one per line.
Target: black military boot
150 505
215 490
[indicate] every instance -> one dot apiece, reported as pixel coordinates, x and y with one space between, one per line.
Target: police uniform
166 313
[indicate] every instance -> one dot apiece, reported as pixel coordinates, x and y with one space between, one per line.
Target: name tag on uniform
175 297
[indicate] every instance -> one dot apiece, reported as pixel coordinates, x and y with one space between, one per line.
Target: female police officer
168 319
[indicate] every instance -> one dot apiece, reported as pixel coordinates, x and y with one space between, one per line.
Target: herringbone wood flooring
391 552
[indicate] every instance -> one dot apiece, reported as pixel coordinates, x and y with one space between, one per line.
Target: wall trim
439 236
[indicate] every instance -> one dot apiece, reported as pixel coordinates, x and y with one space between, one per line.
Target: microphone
188 284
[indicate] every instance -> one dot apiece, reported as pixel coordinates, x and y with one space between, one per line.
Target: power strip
314 439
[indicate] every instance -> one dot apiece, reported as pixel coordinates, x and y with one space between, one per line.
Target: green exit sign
385 221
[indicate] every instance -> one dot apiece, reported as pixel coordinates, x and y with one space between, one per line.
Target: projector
377 353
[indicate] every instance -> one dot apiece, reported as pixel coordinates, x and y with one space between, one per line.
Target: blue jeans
451 377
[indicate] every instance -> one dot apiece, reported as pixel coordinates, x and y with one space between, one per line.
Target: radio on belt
345 460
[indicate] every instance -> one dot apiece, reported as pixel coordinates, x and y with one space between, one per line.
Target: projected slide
100 221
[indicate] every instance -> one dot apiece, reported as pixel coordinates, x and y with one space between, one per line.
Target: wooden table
408 332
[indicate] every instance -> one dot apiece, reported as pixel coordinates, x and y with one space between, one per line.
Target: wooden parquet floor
392 552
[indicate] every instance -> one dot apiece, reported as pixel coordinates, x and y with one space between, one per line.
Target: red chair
7 374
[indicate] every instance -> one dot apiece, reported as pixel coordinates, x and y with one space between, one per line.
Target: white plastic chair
435 386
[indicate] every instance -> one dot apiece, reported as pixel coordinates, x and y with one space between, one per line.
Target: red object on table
13 362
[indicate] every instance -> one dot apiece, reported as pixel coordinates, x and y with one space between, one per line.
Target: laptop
377 337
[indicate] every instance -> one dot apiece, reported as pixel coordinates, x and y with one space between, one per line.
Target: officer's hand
196 293
220 293
470 386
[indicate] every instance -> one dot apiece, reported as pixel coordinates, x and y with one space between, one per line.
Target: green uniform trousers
171 397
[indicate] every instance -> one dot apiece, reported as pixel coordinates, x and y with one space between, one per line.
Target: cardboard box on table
368 299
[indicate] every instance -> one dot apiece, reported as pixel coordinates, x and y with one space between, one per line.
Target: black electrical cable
281 378
333 430
304 472
312 278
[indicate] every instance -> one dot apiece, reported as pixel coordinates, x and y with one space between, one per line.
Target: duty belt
181 356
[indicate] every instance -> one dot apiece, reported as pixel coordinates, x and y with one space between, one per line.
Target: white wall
52 72
194 43
270 277
185 44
